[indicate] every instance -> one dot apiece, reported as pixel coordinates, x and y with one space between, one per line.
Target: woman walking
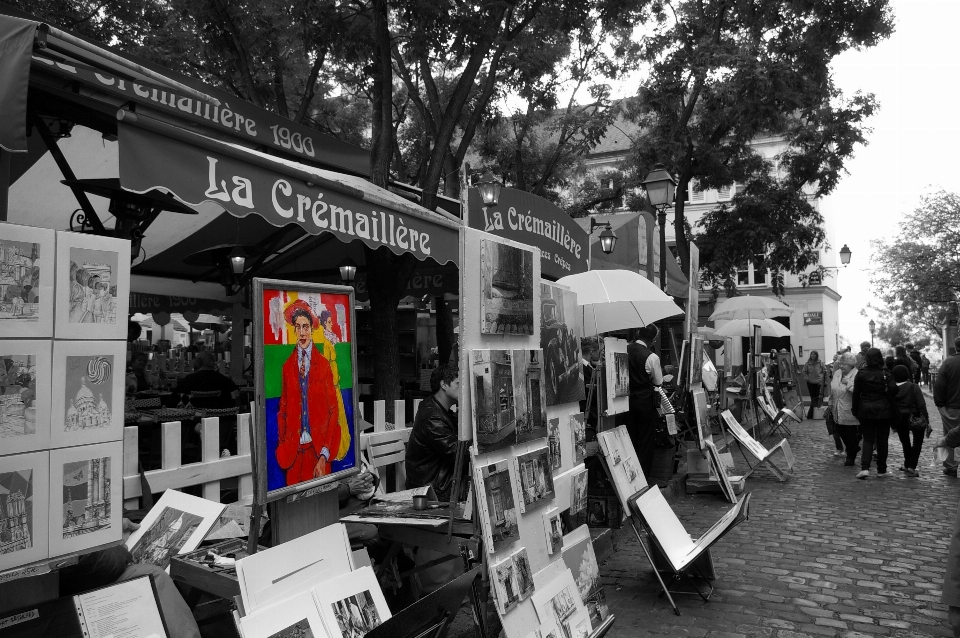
841 407
912 419
873 392
814 374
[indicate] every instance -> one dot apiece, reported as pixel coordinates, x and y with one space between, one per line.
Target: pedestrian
902 358
814 374
925 369
946 396
646 377
873 392
841 408
915 356
912 419
861 356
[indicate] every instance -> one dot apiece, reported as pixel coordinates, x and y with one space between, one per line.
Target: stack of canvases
523 384
63 322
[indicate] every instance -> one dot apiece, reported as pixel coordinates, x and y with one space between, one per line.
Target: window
752 273
694 194
724 193
738 188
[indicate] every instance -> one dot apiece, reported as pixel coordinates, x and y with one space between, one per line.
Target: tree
917 273
726 72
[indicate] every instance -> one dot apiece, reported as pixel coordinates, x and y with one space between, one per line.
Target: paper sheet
126 609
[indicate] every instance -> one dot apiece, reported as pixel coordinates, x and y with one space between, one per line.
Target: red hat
299 304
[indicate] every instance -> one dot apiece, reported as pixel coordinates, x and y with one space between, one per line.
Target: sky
914 147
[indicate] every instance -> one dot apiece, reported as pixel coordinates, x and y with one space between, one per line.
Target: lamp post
873 328
608 240
661 189
348 271
845 254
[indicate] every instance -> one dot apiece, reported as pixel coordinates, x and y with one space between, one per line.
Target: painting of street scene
579 430
536 479
501 516
165 538
356 615
16 511
621 375
89 389
531 404
560 340
19 280
18 393
494 403
506 289
505 585
299 629
93 286
86 496
553 442
582 561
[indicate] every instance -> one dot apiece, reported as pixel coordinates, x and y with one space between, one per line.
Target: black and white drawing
506 289
24 505
24 395
166 537
560 335
86 496
26 281
299 629
356 615
87 392
89 388
93 286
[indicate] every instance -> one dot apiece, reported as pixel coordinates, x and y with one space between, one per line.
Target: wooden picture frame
24 491
25 368
27 258
87 392
284 462
98 307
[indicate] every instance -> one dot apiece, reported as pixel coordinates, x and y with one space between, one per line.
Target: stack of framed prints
63 324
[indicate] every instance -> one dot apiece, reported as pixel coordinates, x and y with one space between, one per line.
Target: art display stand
753 449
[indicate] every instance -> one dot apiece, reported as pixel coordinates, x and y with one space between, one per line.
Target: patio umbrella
618 299
744 328
750 307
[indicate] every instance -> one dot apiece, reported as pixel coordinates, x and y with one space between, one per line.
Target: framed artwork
498 512
684 372
521 563
534 478
294 617
176 524
579 431
87 482
716 464
621 375
506 289
493 399
87 392
352 604
24 508
92 286
579 557
305 336
756 348
26 281
530 395
617 375
578 492
24 415
553 442
560 335
505 584
553 530
617 448
696 361
704 432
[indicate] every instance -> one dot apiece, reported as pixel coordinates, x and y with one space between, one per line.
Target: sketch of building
18 389
15 513
19 279
166 537
86 496
494 401
86 411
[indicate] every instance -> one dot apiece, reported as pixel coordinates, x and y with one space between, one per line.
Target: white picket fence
385 446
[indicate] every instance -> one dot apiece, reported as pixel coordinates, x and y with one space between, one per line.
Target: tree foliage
917 273
725 73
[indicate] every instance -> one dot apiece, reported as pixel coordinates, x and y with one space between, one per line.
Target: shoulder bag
918 421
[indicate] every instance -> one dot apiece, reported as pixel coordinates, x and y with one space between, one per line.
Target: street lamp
661 189
845 254
873 328
608 239
489 188
238 259
348 271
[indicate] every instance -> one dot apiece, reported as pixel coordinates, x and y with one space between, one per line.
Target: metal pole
662 218
590 246
464 194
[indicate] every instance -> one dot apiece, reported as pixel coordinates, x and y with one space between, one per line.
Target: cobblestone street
823 554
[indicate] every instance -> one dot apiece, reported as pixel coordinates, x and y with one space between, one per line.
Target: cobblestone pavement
823 554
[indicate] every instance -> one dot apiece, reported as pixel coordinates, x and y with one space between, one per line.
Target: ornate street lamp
661 190
873 328
489 189
845 254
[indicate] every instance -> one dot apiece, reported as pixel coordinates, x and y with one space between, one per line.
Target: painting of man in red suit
307 418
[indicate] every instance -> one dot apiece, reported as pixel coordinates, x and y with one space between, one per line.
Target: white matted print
559 603
553 530
86 487
92 286
294 617
506 289
580 558
628 478
24 508
351 605
24 395
26 281
615 363
176 524
704 432
87 392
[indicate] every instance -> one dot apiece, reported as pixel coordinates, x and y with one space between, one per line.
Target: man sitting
432 450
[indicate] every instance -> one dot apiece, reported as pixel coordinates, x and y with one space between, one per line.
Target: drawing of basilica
14 528
84 412
95 514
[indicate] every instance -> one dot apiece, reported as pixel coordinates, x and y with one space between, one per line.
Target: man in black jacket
432 449
946 396
646 378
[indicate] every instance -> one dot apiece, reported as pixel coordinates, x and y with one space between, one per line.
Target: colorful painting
560 335
500 513
24 490
493 399
506 289
305 338
531 400
24 415
26 281
621 374
534 478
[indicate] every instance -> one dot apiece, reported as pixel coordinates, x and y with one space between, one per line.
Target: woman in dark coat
873 393
909 401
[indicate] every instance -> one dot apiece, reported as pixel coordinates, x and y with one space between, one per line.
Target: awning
16 45
157 294
197 169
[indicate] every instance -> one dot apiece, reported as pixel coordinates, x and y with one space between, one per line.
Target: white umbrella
749 307
744 328
618 299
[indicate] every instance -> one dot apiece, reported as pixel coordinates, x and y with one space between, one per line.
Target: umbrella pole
598 377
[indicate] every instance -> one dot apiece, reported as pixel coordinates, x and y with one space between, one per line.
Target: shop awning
16 45
277 193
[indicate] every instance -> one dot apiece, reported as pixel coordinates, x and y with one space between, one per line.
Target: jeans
875 434
851 440
814 390
911 451
950 417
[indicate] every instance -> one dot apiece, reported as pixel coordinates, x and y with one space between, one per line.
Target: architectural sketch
165 538
18 393
16 511
19 280
93 286
356 615
86 496
90 384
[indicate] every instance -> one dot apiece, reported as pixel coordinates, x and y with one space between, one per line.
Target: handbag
828 419
917 420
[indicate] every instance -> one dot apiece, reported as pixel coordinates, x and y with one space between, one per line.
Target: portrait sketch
535 478
493 399
506 289
560 335
305 337
530 397
24 494
26 281
500 518
621 374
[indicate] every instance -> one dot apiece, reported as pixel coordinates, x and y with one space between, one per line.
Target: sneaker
863 474
883 473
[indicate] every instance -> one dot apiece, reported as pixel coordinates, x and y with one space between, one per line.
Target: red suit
298 460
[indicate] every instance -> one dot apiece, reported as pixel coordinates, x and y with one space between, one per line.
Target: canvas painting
597 511
176 524
88 483
579 556
24 508
578 492
529 393
534 478
499 519
696 361
621 374
616 376
506 289
506 585
559 604
351 605
524 572
493 399
553 442
560 335
26 281
628 478
92 286
579 430
304 334
87 399
553 530
24 415
704 431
